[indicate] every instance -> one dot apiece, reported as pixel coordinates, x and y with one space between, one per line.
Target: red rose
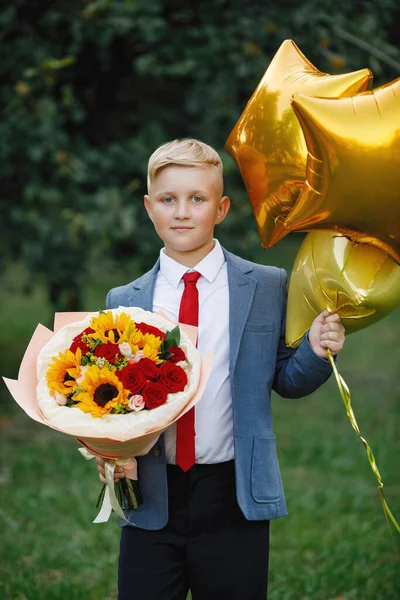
148 368
84 347
177 354
86 331
77 342
144 328
132 378
154 394
107 351
173 377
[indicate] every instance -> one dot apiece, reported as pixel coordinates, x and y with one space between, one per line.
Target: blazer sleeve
108 300
298 372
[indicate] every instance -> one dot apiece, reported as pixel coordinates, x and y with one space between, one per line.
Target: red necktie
188 314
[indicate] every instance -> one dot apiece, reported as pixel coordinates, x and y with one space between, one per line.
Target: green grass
334 544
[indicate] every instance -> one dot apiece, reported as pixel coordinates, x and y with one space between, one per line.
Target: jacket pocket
266 484
265 327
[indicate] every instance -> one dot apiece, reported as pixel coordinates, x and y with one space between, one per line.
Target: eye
197 199
167 200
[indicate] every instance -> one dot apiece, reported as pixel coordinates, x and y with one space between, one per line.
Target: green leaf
131 494
101 496
173 337
78 389
97 343
54 64
120 363
71 403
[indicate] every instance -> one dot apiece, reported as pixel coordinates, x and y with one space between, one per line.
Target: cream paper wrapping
114 427
111 436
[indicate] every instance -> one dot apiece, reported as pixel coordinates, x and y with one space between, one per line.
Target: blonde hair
187 152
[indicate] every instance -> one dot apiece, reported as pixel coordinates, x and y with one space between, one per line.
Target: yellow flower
151 347
111 328
63 371
136 340
149 343
102 391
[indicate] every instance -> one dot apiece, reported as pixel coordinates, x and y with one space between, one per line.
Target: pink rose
125 349
61 399
138 356
82 374
136 402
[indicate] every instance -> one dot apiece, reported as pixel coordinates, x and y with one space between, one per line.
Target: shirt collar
209 267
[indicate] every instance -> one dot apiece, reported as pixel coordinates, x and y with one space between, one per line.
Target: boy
205 526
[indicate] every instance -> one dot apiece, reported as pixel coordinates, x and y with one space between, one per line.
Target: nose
182 210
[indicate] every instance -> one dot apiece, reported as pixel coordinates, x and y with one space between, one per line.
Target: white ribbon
110 501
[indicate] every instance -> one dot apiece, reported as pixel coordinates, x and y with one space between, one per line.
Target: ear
147 205
223 208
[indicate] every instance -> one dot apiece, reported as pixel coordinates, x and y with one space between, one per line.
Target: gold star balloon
358 281
353 167
267 142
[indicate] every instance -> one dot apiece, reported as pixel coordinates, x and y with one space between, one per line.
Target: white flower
100 362
125 349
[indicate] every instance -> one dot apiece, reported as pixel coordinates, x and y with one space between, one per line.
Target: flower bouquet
115 381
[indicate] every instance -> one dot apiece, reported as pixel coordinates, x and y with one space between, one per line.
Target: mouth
182 228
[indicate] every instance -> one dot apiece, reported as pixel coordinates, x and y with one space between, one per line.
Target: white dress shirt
213 412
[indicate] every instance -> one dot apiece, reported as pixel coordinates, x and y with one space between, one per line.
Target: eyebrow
192 193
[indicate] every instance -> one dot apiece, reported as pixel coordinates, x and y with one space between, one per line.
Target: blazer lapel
241 292
143 289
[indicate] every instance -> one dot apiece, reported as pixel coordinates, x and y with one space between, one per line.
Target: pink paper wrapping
23 391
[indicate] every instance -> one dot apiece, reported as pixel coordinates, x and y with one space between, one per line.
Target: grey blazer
259 362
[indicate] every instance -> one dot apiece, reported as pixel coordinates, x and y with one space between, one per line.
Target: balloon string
346 397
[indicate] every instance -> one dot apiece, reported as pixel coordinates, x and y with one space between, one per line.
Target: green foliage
173 338
334 544
89 89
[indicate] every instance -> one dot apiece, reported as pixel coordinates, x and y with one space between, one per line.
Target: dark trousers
207 546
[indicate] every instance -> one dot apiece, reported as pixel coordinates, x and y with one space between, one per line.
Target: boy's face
184 205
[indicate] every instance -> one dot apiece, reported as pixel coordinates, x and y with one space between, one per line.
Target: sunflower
63 371
102 392
148 343
111 328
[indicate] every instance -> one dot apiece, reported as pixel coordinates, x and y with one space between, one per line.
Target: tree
89 89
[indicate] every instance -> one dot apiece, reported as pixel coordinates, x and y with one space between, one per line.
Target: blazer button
156 451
